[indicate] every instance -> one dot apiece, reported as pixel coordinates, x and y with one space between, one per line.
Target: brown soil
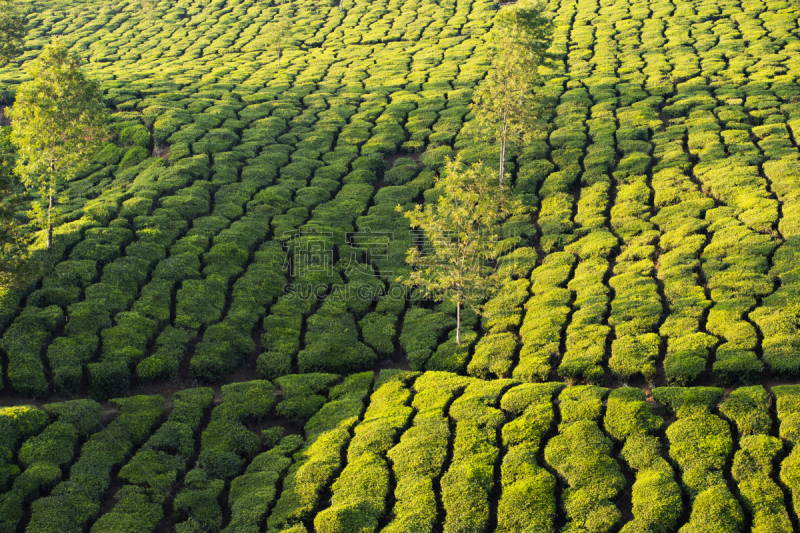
3 119
161 151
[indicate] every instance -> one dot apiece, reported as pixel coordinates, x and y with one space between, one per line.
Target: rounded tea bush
403 171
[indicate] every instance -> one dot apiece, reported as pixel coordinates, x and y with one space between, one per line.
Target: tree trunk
503 137
49 220
502 160
458 323
279 58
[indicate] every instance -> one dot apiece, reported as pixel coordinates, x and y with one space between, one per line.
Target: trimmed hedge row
359 495
419 458
528 490
123 280
281 339
226 446
253 493
327 435
171 347
387 416
420 335
153 472
503 313
557 201
69 277
495 352
776 318
16 424
285 146
787 405
734 180
230 248
657 503
597 162
680 218
332 343
545 317
300 395
700 443
628 415
44 455
469 480
74 503
23 343
304 117
636 308
119 285
450 356
581 454
493 356
762 497
226 344
586 333
415 440
748 409
735 251
423 329
20 422
749 215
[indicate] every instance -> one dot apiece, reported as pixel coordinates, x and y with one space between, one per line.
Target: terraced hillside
661 244
412 451
174 250
227 271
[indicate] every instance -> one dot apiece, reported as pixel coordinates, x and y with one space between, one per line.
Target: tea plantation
222 342
410 451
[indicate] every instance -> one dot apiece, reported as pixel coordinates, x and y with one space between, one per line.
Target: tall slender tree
276 36
148 7
505 104
58 122
463 238
12 31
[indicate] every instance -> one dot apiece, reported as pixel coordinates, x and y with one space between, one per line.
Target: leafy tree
464 238
276 36
148 7
506 106
58 121
12 30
